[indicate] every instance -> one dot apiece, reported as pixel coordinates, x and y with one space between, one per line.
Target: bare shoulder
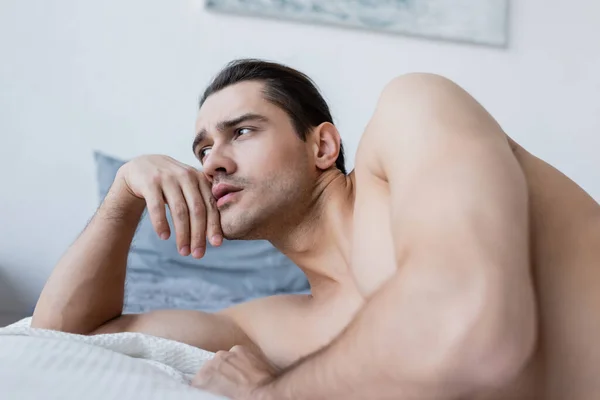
420 88
422 99
422 110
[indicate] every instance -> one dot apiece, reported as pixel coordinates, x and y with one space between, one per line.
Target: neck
320 243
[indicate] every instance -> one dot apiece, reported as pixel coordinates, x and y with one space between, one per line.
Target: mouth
224 193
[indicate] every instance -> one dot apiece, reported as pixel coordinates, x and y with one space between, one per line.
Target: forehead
233 101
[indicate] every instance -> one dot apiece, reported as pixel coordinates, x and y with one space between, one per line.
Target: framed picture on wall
476 21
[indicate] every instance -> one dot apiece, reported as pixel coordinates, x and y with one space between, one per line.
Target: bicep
459 222
451 172
211 332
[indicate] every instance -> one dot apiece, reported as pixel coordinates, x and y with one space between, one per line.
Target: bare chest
296 331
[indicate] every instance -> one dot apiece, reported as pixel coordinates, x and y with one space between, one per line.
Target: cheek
270 155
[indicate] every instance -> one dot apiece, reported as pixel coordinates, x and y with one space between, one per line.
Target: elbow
44 320
467 368
471 353
471 340
41 322
501 343
488 357
498 365
58 323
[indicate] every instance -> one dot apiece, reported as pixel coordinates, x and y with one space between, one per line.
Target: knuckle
198 243
155 209
186 174
198 239
221 355
215 226
156 178
202 179
179 210
204 374
238 349
161 224
197 208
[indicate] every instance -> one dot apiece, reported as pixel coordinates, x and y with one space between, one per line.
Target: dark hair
287 88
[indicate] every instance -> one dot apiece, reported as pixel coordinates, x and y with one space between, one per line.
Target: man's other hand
161 180
235 374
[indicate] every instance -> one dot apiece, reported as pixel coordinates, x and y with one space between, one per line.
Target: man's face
245 142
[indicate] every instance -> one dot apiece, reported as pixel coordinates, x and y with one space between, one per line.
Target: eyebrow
222 126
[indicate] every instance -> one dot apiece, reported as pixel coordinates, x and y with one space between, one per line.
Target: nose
218 162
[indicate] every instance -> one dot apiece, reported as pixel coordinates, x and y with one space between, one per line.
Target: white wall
124 77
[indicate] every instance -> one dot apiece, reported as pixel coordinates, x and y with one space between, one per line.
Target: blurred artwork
475 21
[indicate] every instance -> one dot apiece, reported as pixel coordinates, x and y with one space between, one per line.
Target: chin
236 226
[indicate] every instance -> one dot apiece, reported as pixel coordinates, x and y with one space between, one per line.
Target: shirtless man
450 264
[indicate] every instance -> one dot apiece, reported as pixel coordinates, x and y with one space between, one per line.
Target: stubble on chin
236 226
267 213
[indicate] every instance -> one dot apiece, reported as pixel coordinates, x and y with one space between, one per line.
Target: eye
242 131
203 153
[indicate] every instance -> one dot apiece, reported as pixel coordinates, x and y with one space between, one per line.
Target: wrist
121 203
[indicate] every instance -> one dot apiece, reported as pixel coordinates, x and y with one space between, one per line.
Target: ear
326 145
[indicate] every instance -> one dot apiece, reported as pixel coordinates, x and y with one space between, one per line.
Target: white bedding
44 364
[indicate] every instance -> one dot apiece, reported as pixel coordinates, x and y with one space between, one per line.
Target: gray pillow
158 277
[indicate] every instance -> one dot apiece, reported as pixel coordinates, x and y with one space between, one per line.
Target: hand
161 180
236 374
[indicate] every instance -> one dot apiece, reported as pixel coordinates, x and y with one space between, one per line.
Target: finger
156 210
197 210
223 364
244 356
179 212
214 382
238 349
204 376
228 366
213 218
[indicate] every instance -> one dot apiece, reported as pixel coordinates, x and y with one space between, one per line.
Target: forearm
413 339
86 288
349 368
358 364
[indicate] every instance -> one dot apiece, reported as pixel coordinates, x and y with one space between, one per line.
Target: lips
222 189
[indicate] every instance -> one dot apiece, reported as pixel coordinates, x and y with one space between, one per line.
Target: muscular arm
85 292
457 318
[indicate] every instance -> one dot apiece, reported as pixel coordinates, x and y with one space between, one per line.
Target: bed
44 364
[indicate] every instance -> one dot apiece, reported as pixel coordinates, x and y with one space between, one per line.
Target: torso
565 234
